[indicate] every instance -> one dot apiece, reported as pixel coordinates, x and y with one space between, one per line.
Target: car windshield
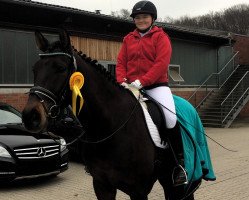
9 115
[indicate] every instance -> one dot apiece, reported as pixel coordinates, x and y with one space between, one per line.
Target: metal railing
209 88
232 100
233 109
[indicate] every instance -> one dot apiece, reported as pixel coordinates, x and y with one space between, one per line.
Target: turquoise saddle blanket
196 153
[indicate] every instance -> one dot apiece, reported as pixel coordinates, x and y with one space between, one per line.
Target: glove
125 85
136 84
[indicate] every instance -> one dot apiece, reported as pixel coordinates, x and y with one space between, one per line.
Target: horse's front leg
139 197
104 191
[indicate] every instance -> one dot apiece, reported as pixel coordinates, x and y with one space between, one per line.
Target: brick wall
187 94
245 111
18 100
242 45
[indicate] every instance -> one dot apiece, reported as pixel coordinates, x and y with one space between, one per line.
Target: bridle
57 101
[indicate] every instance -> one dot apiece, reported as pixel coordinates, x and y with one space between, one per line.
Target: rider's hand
136 84
125 85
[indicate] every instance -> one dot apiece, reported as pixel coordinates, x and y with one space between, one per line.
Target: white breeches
164 96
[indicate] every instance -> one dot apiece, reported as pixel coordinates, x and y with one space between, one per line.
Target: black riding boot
179 175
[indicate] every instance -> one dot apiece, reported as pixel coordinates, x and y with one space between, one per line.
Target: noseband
41 92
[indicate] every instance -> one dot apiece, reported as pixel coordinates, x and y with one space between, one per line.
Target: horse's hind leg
104 191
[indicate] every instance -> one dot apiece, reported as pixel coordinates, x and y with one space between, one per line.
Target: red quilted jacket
145 58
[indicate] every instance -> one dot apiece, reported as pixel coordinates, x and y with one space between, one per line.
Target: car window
9 117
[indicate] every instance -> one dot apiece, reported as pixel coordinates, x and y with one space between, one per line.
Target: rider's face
143 21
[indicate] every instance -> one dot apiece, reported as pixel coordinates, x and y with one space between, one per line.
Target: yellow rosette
76 82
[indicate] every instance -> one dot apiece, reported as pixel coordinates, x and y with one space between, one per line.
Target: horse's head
51 77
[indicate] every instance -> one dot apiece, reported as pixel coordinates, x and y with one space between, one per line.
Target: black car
68 126
27 155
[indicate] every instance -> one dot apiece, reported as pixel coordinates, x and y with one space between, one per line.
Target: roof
200 31
56 8
30 14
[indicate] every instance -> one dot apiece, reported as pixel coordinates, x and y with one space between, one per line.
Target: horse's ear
65 40
41 41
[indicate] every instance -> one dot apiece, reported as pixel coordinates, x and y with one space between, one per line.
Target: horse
119 154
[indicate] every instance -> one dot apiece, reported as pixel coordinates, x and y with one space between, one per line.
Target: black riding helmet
144 7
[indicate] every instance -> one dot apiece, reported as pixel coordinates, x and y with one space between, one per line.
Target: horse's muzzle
34 118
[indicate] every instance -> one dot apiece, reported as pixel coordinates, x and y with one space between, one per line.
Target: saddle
154 117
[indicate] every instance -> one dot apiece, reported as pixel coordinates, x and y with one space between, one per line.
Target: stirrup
185 182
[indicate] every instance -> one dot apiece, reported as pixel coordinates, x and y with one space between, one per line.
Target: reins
117 130
83 132
41 92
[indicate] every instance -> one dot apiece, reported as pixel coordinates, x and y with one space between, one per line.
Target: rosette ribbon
76 82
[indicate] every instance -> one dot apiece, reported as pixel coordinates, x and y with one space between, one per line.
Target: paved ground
231 169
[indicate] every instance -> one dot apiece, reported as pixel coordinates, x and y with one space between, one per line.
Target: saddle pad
153 129
150 124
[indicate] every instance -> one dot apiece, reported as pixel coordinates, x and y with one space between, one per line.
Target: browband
62 54
55 54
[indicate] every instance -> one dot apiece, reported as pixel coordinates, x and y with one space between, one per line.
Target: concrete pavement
231 169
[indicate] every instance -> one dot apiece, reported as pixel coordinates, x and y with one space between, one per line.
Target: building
196 53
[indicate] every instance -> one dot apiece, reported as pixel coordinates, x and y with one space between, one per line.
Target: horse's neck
107 104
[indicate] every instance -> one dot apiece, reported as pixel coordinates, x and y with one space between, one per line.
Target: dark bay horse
125 157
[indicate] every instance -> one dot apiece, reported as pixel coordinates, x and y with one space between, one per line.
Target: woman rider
143 62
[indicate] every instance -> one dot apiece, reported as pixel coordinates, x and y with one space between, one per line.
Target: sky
173 9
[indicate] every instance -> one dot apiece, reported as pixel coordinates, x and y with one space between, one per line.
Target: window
174 74
109 65
112 69
18 53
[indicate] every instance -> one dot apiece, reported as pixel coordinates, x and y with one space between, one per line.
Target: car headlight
63 144
4 153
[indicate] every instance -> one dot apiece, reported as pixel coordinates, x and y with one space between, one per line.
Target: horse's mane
56 46
53 47
101 69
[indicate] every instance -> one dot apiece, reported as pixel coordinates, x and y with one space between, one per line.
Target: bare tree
234 19
168 19
123 14
237 18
